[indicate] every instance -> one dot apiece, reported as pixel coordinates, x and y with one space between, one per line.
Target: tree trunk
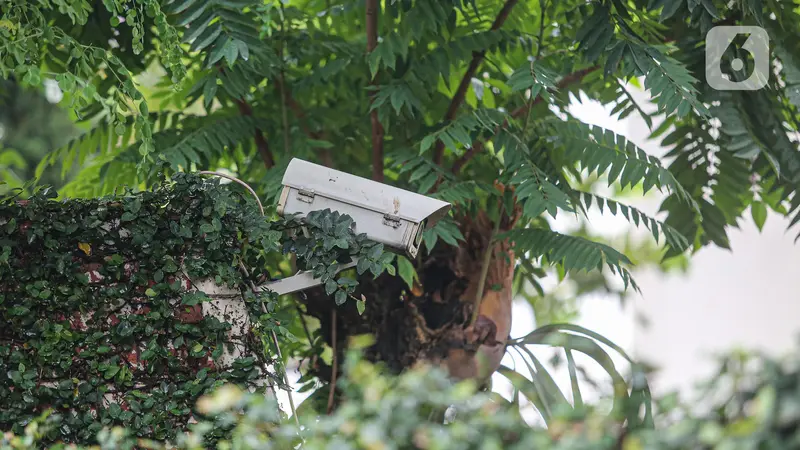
431 323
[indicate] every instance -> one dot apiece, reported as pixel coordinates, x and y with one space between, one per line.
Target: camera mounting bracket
300 281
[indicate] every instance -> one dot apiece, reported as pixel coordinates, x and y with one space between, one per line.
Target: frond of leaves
424 17
459 131
632 400
572 252
446 230
670 83
423 172
596 33
387 51
399 95
273 182
461 192
181 148
626 104
437 62
325 70
633 215
602 151
93 142
218 26
100 177
716 171
700 12
536 77
537 194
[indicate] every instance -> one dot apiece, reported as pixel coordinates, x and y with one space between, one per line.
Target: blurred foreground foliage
755 404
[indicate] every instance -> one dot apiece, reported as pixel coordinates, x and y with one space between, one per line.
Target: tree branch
261 142
377 128
568 80
461 92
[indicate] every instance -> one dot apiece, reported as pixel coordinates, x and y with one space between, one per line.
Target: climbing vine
107 312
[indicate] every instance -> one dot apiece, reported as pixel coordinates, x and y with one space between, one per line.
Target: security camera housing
389 215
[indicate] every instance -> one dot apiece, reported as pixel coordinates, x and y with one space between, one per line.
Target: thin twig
236 180
542 17
335 361
303 322
274 338
256 291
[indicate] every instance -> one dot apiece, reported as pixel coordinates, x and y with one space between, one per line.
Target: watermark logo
719 39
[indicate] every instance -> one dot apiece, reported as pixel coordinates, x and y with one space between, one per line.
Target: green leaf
528 389
670 8
231 51
218 52
573 378
407 271
244 50
361 306
340 297
375 252
759 213
330 287
110 372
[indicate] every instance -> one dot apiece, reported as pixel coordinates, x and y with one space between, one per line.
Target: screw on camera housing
719 39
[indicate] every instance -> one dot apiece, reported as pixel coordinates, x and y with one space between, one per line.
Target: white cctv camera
386 214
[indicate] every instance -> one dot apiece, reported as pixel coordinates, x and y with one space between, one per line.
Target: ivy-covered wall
102 307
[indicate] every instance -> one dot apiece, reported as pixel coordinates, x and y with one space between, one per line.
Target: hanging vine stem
236 180
255 290
487 258
335 362
274 338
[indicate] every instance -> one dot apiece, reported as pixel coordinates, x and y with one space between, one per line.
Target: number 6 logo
718 40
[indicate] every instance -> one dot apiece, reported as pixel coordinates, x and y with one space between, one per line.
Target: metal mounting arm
299 281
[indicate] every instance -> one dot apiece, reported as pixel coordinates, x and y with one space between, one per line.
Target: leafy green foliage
674 239
104 319
541 390
249 63
573 252
754 403
330 244
471 98
604 152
